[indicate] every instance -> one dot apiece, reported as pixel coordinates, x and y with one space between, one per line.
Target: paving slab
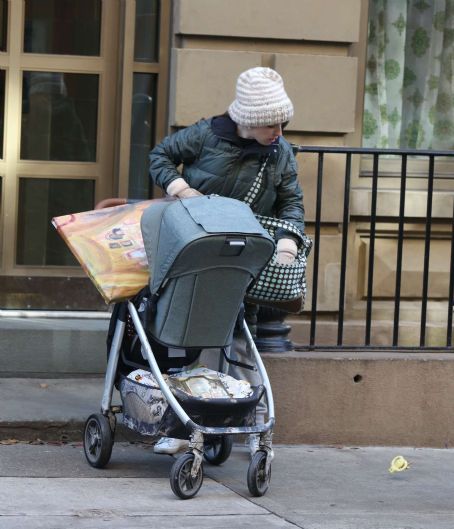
51 486
126 521
312 487
145 497
351 487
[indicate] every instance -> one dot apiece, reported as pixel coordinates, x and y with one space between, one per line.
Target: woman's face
265 135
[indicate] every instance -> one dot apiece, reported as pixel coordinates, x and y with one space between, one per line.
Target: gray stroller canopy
177 234
202 253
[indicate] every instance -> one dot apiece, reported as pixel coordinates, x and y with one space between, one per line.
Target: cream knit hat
260 99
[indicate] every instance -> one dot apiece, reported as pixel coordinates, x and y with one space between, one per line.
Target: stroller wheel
98 440
258 480
217 449
182 483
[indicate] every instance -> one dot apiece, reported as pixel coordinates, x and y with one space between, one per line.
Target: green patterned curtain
409 96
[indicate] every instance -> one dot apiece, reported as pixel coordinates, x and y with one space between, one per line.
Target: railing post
370 272
425 278
400 243
451 286
345 219
316 257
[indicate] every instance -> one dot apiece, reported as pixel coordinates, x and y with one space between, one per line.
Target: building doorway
79 85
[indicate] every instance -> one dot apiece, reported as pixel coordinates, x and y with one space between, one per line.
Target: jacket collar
223 127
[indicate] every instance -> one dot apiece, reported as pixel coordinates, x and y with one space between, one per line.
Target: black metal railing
372 218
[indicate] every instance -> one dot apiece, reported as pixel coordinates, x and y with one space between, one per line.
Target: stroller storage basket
143 406
146 411
221 412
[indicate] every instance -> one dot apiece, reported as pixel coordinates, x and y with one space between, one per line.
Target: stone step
53 346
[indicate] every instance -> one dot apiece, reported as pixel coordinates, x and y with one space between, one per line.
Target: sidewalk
312 487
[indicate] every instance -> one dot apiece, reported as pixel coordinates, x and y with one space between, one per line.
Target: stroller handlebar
119 201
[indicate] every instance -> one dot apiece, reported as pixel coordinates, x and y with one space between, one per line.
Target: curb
61 431
54 431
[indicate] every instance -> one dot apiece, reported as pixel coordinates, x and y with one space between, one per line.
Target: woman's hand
286 251
189 192
180 188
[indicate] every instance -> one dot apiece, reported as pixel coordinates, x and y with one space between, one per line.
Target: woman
225 154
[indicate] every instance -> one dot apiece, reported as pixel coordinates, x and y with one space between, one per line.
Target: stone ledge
363 398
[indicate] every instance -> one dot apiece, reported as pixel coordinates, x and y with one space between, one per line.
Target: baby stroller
203 254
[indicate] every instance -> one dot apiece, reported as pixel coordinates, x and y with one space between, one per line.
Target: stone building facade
161 65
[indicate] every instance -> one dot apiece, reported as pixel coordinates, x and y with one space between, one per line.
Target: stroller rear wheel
258 479
98 440
217 449
182 483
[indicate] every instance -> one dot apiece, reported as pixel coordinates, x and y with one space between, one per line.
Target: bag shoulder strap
251 195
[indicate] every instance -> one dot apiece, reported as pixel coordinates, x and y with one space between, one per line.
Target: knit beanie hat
260 99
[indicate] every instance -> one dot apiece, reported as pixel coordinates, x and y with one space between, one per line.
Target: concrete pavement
49 486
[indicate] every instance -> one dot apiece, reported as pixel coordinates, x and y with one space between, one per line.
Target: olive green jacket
213 164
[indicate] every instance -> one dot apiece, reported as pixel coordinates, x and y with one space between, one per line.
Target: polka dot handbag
278 282
278 285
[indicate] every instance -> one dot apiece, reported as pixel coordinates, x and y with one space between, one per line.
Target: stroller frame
260 465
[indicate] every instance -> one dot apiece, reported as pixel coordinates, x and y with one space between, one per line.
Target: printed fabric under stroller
203 253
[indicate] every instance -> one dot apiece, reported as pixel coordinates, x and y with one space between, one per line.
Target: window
3 24
147 75
59 116
142 133
41 199
2 109
146 39
62 27
409 101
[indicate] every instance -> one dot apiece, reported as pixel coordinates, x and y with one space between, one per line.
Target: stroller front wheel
258 479
216 450
98 440
182 483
